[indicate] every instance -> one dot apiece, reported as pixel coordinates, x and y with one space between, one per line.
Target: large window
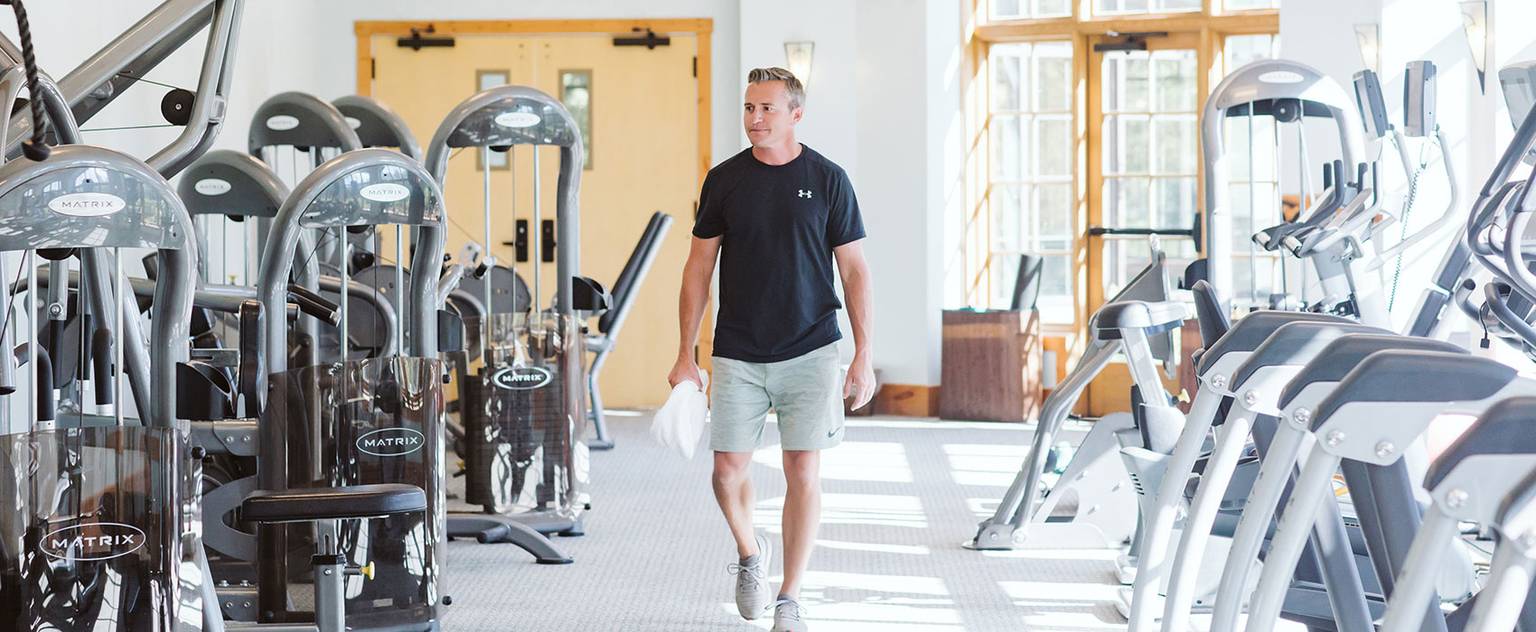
1253 178
1015 9
1031 185
1083 136
1150 155
1121 7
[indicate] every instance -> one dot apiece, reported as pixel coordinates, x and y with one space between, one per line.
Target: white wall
832 97
891 125
877 107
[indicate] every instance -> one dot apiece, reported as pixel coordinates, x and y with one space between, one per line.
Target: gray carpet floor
900 497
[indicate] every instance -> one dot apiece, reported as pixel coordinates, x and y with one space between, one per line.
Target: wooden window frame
1210 26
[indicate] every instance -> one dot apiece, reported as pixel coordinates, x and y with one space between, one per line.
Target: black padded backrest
1398 375
624 284
588 295
1342 355
252 366
1214 319
201 393
1503 429
450 331
1297 343
1197 271
1252 330
1026 286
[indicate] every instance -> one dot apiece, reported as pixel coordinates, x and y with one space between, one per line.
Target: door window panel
1031 199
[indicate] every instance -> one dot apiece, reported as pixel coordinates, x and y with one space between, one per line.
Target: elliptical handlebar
1445 217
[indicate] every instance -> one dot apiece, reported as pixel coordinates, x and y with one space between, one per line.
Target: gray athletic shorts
806 391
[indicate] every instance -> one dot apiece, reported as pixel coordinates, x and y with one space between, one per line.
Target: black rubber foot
601 445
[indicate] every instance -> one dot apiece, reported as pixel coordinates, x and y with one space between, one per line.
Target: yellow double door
639 107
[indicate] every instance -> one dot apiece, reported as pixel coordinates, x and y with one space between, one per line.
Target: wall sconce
1474 23
1368 39
797 56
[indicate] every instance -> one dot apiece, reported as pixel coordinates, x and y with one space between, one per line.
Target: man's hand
860 384
685 369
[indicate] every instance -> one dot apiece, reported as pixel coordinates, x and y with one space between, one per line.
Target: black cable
325 237
36 148
129 127
150 81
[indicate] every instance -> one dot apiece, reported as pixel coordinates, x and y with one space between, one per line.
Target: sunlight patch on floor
852 509
867 461
920 423
1069 621
983 507
1100 555
983 465
864 618
867 616
1027 593
817 583
859 461
894 549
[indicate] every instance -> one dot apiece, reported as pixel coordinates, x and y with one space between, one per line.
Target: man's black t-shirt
780 224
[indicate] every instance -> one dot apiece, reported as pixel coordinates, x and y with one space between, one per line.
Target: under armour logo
804 193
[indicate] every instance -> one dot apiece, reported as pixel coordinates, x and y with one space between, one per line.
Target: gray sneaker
753 594
788 616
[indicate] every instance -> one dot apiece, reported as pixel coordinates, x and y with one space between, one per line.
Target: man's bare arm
694 296
858 293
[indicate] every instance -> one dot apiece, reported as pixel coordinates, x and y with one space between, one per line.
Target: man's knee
731 467
802 469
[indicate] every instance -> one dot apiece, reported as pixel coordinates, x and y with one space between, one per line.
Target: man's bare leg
802 515
733 490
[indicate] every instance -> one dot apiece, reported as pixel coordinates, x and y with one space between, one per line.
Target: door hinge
695 66
373 68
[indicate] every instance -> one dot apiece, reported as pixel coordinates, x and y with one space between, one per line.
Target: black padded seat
1252 330
332 503
1151 317
1503 429
1297 343
1399 375
1340 357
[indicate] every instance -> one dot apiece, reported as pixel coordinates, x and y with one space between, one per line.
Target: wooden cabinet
991 365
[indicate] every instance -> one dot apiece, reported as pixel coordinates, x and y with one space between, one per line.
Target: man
776 215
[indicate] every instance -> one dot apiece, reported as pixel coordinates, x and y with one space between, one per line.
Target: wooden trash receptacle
992 365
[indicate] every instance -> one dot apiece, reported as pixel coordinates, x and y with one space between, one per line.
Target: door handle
547 241
520 241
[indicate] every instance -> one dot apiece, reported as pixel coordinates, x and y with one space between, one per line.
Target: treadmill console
1373 108
1419 98
1519 84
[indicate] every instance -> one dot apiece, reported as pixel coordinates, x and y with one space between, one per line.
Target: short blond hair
792 85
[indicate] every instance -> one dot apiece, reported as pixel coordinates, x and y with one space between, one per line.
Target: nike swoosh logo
834 432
